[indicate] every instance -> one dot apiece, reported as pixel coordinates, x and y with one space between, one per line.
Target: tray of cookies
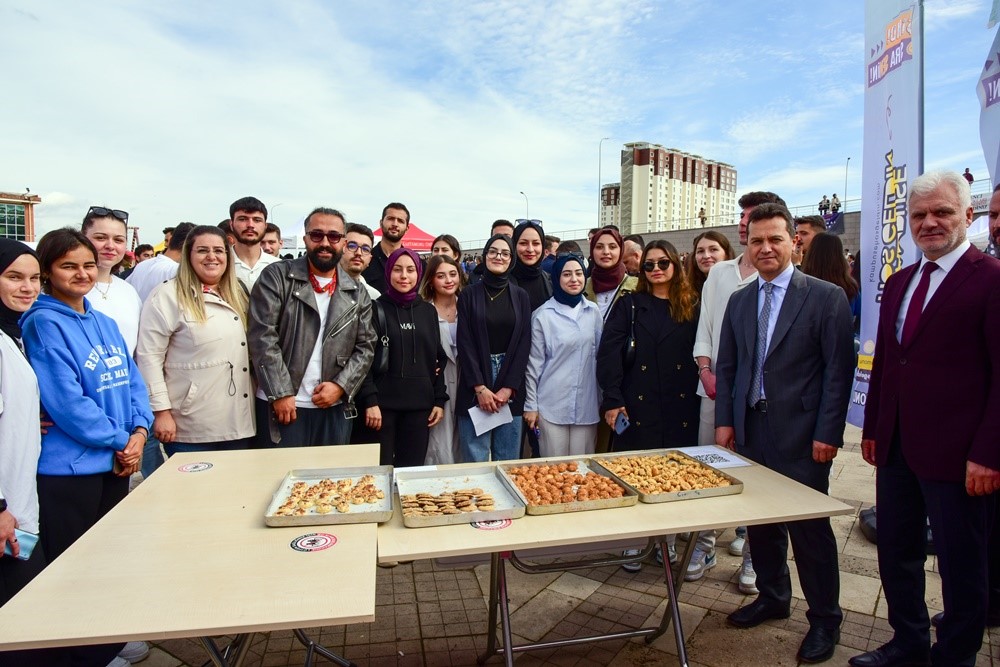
665 475
560 485
432 496
322 496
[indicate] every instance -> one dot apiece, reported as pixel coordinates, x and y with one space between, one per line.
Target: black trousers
68 506
961 525
312 427
813 541
403 437
993 557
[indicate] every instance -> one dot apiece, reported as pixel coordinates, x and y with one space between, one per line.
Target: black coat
660 391
474 348
415 379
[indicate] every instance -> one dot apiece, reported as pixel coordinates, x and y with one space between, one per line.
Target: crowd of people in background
530 348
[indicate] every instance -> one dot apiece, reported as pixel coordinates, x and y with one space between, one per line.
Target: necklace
104 292
494 297
449 312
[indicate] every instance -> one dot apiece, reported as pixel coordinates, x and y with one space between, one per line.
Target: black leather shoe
936 619
756 613
891 655
819 644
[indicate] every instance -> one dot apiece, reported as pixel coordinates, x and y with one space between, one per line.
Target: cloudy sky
173 110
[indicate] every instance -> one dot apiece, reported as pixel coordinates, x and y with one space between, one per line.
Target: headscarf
558 293
521 270
397 297
492 280
9 251
606 280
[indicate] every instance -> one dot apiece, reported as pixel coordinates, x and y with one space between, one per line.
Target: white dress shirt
780 282
147 275
945 264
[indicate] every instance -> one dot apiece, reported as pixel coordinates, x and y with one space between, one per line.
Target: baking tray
584 466
362 513
735 485
435 480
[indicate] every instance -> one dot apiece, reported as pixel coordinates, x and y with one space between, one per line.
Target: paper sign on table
717 457
487 421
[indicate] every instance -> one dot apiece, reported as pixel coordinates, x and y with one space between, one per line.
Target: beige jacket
198 371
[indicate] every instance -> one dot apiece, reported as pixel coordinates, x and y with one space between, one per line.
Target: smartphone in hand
621 423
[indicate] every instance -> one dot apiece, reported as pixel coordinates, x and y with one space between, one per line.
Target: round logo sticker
498 524
313 542
195 467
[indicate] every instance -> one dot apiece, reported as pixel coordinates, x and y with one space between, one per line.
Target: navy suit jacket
807 373
941 392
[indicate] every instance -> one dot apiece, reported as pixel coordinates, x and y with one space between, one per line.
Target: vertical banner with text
988 91
893 156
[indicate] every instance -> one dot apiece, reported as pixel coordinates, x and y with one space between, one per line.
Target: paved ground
427 614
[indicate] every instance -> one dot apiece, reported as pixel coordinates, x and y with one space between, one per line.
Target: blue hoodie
90 386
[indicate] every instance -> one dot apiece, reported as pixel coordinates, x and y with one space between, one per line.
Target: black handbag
380 364
628 352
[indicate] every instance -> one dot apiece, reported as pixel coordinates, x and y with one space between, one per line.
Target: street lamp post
846 167
273 209
526 214
600 154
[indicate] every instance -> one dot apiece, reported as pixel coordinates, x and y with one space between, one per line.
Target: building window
12 221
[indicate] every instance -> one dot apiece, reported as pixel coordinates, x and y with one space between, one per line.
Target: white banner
893 156
988 90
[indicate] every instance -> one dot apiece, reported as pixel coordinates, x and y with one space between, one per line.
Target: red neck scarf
330 288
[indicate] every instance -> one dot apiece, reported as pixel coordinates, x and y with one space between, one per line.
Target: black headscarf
531 278
497 281
9 251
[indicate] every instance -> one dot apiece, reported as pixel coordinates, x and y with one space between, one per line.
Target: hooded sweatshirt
90 387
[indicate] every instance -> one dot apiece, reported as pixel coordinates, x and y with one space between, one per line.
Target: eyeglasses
355 247
660 264
493 253
524 221
101 212
333 237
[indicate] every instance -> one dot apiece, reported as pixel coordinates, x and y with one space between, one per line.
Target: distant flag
988 90
834 223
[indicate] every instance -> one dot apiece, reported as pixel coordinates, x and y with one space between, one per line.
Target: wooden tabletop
187 554
767 497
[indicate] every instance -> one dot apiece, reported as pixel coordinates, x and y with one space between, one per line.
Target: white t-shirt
20 439
147 275
119 301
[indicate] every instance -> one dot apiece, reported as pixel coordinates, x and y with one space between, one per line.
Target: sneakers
736 546
748 578
632 567
119 662
134 652
671 553
700 563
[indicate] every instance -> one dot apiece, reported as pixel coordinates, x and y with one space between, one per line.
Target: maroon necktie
917 304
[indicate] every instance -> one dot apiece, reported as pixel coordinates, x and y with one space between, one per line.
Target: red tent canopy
414 239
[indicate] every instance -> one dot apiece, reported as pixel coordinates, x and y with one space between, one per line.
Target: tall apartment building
665 189
17 216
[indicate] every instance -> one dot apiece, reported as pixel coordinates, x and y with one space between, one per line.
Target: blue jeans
501 444
152 457
179 447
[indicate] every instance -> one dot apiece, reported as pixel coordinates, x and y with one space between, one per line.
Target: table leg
491 624
312 647
673 610
231 656
508 647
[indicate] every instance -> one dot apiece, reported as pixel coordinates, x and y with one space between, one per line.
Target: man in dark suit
932 427
784 371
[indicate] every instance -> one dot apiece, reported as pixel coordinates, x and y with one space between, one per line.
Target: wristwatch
3 505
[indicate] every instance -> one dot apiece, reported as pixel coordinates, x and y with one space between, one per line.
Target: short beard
249 242
322 264
399 238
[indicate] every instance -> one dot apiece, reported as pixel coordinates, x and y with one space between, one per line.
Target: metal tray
629 498
363 513
438 480
735 485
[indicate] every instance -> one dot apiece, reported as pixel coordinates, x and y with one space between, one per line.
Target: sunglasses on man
101 212
316 236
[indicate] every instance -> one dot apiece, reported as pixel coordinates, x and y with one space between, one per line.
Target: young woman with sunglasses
494 339
193 351
410 395
441 286
93 393
107 229
562 400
